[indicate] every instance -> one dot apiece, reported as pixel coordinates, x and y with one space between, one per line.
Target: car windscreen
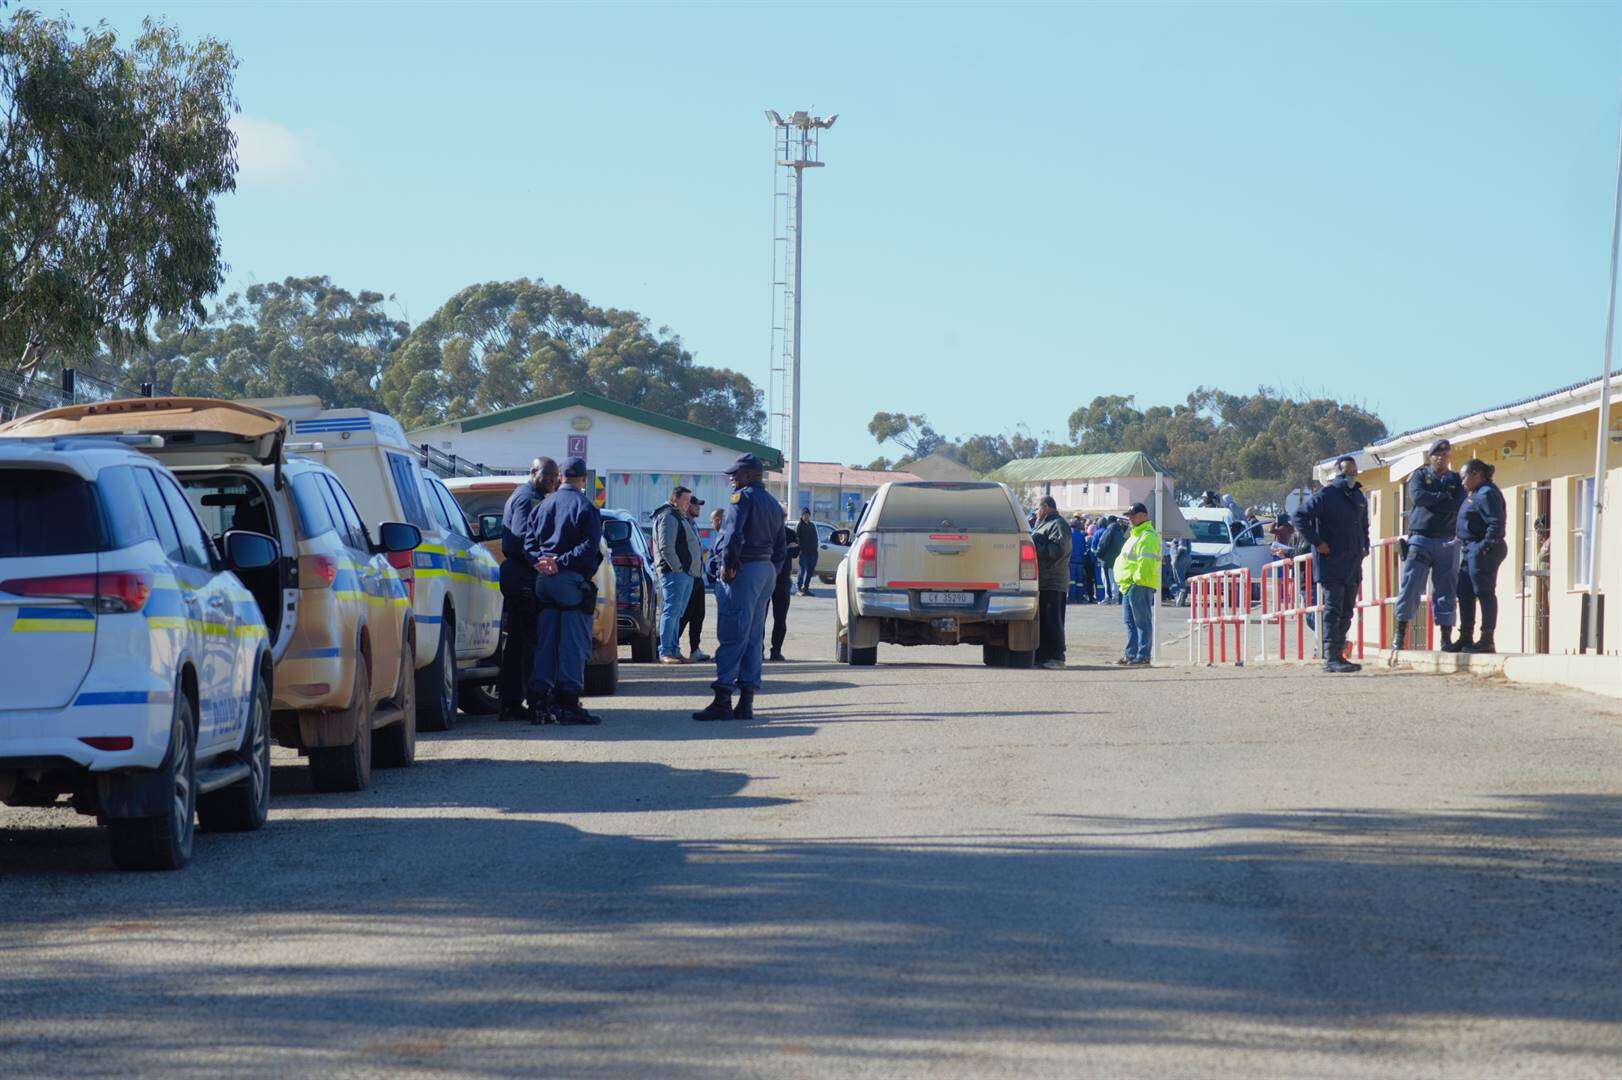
224 503
1210 532
47 512
475 504
958 507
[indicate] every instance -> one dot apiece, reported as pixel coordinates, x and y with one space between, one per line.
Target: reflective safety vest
1139 560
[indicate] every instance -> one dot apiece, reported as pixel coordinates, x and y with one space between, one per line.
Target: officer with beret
752 545
562 540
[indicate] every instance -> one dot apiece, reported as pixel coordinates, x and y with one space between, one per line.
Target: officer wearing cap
1435 494
562 540
518 587
752 544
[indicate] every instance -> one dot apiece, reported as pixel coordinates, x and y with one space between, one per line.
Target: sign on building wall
577 446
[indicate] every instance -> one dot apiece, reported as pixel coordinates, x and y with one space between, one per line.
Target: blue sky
1403 205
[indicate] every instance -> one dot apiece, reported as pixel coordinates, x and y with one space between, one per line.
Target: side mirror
395 536
250 550
840 537
489 526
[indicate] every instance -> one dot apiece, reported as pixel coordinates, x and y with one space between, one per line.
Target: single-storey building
834 492
636 456
1087 483
1543 450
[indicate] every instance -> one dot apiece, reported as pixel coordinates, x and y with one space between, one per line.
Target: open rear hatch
195 431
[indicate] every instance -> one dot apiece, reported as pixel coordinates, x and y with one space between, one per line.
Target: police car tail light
1027 561
110 593
867 560
317 571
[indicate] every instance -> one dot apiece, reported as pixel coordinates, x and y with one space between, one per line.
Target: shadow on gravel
1310 930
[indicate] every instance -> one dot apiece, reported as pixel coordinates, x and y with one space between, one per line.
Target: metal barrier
1288 592
1217 601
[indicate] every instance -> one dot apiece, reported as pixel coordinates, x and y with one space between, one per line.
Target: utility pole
1603 438
797 146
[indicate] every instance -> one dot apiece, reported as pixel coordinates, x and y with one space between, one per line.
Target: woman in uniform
1481 539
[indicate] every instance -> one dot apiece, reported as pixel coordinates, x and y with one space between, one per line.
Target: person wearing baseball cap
751 547
518 611
563 540
1137 573
692 620
1435 494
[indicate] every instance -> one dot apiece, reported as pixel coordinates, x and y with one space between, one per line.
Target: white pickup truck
1221 542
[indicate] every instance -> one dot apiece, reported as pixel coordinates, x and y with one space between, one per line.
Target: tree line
112 155
1258 447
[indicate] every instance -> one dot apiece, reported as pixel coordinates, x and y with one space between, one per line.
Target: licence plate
946 599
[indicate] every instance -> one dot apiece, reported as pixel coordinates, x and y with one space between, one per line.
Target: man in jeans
692 620
1137 574
1435 494
677 556
805 536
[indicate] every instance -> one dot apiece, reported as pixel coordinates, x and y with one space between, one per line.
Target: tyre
994 655
349 768
603 679
244 806
860 657
646 646
841 649
481 699
436 683
165 842
1021 658
395 747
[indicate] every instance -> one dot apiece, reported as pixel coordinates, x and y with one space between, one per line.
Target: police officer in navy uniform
562 540
518 587
1335 521
752 545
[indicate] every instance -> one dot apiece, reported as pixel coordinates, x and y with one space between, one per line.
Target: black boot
1450 643
745 709
776 657
514 710
1335 661
1485 643
719 709
540 707
570 711
1397 643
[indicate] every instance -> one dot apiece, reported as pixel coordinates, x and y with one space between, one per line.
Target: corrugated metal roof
831 473
1077 467
1529 400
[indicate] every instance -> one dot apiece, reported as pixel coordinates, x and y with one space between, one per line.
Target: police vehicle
339 620
453 583
135 668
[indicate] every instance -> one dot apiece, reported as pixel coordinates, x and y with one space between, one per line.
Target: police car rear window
404 472
964 507
47 512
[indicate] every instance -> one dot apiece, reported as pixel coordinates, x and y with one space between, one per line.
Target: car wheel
603 679
994 655
395 747
826 579
480 698
349 768
862 657
1021 658
645 646
244 806
165 842
841 648
436 683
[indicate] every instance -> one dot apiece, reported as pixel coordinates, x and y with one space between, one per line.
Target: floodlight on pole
797 149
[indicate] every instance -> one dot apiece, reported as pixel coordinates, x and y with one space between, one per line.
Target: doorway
1535 567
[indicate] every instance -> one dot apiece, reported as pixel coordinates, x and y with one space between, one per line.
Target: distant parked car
833 544
637 608
135 667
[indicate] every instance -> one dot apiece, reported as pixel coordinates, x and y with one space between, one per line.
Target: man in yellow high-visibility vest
1137 572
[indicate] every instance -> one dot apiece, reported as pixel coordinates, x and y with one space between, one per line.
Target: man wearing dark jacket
805 536
676 560
563 539
1110 543
1435 494
1051 537
783 591
1335 521
518 611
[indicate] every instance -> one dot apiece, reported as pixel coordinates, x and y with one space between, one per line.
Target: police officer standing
1435 493
1335 521
518 587
562 540
752 545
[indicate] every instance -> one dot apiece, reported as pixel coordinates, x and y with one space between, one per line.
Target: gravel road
927 867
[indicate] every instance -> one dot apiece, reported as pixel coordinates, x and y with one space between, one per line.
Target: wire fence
24 394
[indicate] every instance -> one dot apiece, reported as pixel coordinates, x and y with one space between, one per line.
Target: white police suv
134 666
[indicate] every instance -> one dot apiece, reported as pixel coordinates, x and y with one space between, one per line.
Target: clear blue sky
1404 205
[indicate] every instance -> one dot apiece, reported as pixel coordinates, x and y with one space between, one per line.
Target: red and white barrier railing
1217 602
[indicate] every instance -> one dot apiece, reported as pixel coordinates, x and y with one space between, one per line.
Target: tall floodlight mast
796 143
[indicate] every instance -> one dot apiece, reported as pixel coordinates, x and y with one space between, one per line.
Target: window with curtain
1582 533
